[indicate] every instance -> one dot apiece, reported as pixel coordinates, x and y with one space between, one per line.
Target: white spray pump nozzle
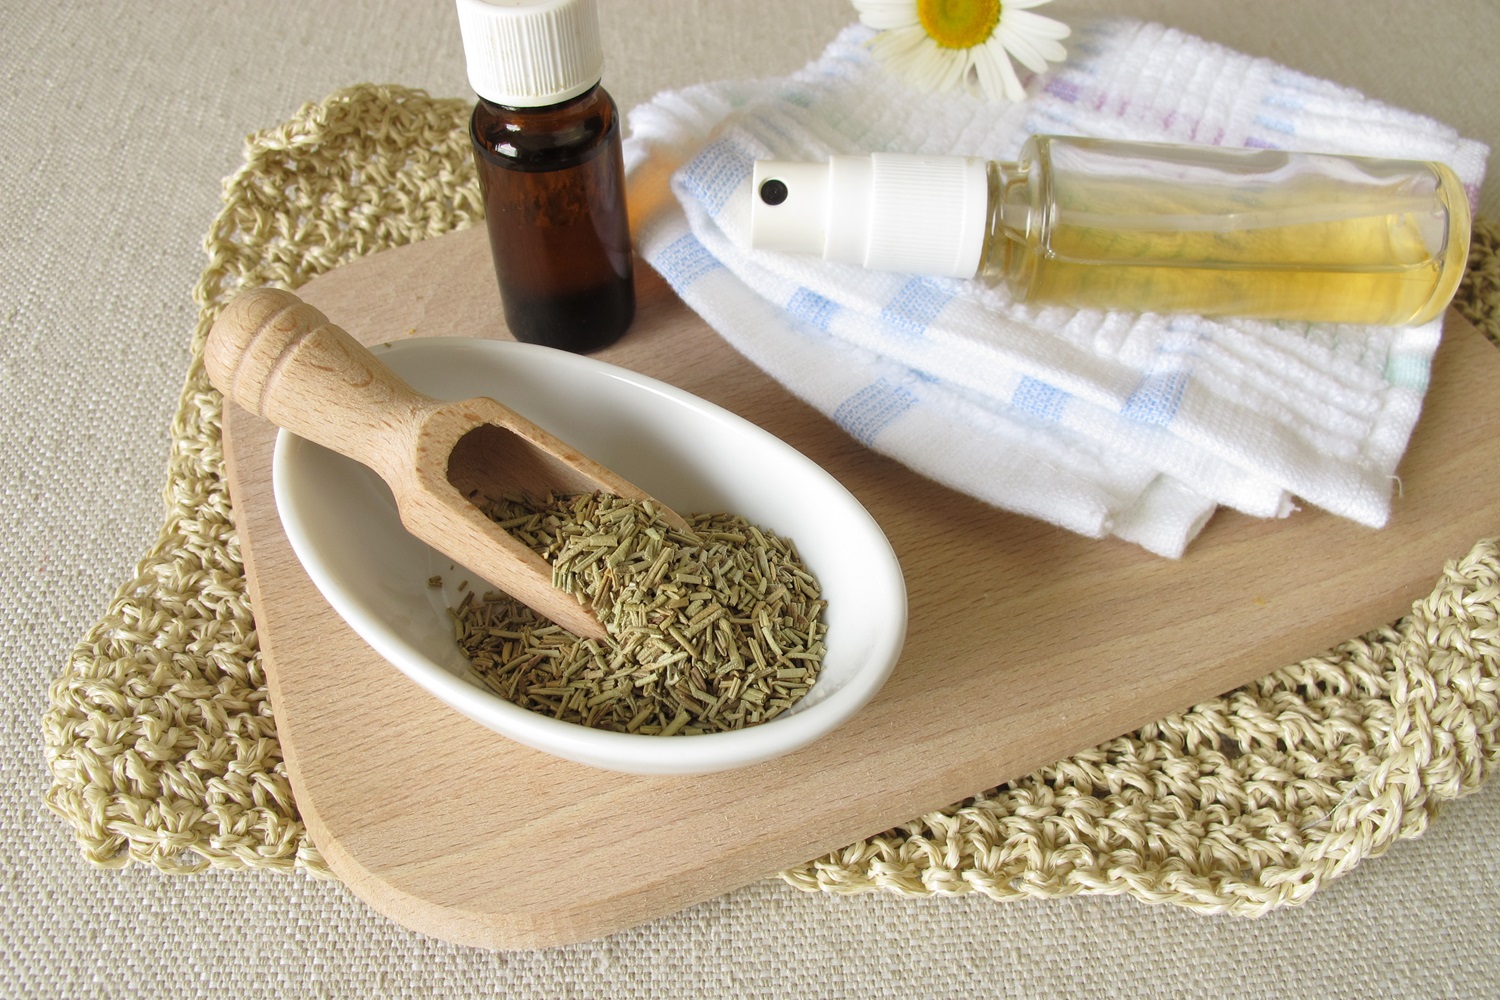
887 211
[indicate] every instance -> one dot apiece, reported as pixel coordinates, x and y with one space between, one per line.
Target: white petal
882 15
912 55
900 43
1029 52
1034 25
941 69
996 75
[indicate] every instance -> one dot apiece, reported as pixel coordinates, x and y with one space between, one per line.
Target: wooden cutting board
1026 644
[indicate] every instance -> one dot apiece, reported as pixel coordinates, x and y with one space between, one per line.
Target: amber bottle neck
551 137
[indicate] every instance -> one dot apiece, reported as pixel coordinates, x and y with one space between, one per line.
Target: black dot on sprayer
773 192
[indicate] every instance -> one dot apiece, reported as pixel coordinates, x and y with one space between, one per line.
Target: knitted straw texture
162 742
160 737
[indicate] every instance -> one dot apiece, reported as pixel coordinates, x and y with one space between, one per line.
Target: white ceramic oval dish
691 454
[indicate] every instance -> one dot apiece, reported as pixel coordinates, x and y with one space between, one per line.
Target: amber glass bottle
546 140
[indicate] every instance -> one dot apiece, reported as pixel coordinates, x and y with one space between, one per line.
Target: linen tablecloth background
117 123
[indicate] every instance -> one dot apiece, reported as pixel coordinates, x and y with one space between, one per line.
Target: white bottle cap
887 211
531 53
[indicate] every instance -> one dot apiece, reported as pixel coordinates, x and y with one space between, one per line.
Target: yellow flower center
959 24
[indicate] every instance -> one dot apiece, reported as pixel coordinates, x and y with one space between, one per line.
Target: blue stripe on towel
1036 398
811 308
1276 124
1284 101
914 307
872 409
1408 371
684 261
716 173
1156 399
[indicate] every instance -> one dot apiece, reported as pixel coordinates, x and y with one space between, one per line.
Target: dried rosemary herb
712 631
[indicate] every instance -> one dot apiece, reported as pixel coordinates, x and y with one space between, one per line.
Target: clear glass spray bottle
546 139
1141 226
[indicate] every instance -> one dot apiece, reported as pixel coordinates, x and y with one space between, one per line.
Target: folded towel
1102 422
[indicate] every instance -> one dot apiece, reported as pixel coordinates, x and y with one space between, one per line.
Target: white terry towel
1105 423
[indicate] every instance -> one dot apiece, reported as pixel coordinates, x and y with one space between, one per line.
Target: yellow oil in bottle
1268 235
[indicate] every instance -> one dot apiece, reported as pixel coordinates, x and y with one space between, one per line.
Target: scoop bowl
695 456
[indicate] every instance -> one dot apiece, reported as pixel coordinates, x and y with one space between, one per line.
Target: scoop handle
281 358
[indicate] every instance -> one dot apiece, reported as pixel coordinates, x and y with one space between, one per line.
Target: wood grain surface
1026 644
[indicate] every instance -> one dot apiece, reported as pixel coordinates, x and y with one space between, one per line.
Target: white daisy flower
942 44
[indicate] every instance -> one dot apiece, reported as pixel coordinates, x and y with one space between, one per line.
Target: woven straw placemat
162 743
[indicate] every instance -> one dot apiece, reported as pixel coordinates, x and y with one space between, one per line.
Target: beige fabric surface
116 128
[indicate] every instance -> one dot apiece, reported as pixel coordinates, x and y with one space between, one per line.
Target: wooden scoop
281 358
